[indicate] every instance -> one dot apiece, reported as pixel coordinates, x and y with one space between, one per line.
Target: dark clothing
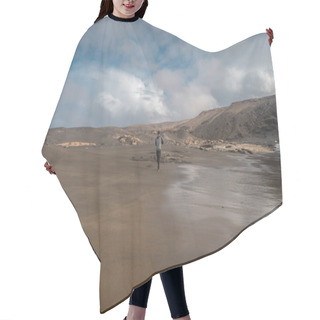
158 157
172 281
158 142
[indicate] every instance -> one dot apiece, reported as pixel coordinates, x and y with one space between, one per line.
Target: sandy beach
195 204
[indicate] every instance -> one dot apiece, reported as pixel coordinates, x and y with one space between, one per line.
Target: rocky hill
253 121
249 122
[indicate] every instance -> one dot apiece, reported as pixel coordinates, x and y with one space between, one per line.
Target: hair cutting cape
166 151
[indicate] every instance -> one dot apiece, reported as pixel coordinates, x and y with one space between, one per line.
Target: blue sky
126 73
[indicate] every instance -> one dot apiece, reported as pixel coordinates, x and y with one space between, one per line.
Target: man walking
158 143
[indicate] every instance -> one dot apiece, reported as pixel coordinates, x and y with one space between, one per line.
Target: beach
197 203
213 195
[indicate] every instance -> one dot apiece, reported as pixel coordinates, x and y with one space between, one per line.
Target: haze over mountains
251 121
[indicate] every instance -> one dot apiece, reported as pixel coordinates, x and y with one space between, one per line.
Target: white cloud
128 100
155 77
266 81
234 79
186 100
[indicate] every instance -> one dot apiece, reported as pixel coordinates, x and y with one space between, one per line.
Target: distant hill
253 121
249 121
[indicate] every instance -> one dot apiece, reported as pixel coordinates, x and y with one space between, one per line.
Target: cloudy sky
126 73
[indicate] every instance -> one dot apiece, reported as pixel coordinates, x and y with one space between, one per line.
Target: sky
126 73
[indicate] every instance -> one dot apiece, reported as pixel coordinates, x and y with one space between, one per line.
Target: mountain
253 120
250 121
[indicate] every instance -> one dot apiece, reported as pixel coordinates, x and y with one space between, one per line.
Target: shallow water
251 188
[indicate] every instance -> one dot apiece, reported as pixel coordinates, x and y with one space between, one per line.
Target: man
158 143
